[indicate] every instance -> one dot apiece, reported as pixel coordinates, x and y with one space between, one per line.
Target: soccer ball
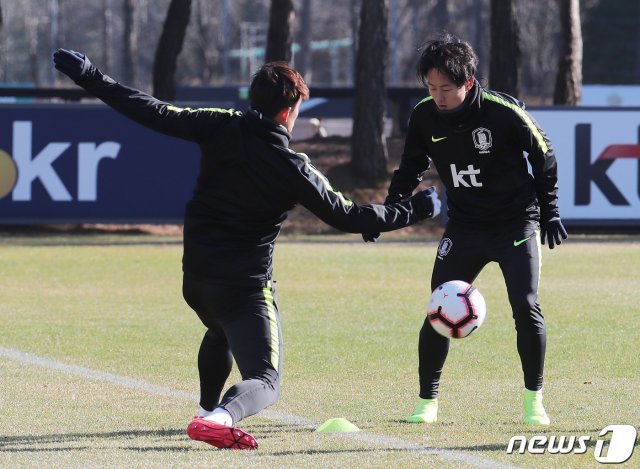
456 309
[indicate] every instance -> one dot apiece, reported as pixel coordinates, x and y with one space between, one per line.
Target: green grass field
110 378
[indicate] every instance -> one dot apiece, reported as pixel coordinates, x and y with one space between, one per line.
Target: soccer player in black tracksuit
498 210
248 180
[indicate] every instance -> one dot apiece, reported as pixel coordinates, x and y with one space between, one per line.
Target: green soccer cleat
426 412
534 413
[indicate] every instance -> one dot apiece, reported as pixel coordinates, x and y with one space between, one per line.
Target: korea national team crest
482 139
444 248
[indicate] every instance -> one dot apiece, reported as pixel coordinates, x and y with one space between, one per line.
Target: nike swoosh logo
435 139
518 243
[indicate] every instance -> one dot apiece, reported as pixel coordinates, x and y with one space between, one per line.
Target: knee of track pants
527 314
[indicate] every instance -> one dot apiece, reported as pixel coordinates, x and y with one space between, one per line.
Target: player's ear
468 85
283 115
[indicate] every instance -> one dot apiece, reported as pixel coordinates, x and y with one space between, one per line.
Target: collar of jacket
267 128
459 116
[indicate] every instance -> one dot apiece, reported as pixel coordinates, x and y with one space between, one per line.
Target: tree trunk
354 9
32 23
204 52
169 47
568 88
441 12
129 41
368 146
105 61
304 64
54 32
3 50
504 68
280 36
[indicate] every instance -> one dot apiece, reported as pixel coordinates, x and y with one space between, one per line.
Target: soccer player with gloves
498 210
249 179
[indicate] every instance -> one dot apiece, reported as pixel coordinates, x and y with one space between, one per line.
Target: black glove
370 237
71 63
553 231
431 196
373 237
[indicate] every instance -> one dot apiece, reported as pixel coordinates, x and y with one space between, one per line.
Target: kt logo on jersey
465 177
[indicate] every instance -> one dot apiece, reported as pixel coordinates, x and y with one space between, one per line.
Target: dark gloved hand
370 237
431 196
71 63
373 237
553 231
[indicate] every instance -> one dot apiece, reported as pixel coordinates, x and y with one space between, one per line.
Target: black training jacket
248 180
478 151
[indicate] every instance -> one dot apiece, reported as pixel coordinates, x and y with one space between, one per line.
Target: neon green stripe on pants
273 322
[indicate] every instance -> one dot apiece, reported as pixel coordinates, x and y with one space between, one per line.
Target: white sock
217 415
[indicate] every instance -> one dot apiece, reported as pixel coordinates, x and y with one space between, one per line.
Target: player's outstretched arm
430 193
314 192
189 124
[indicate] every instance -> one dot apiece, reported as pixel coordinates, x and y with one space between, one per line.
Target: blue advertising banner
86 163
598 153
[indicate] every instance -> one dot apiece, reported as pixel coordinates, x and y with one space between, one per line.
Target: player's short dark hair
276 86
449 55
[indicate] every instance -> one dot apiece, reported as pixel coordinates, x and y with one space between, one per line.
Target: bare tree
3 49
441 12
129 41
568 88
32 23
540 38
169 47
368 146
106 34
504 67
205 53
280 35
354 24
202 58
304 64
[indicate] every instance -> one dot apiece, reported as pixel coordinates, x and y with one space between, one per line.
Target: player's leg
224 310
214 367
520 261
214 356
255 339
459 257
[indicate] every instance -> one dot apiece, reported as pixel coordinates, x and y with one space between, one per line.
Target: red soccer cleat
220 436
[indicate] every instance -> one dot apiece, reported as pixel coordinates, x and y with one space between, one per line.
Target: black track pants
461 255
243 324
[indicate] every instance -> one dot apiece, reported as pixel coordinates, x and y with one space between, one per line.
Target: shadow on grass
34 443
267 430
25 443
342 451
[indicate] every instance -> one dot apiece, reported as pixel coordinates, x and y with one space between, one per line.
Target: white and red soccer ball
456 309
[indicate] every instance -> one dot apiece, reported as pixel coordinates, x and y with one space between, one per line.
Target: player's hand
71 63
552 231
428 202
433 202
370 237
391 199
